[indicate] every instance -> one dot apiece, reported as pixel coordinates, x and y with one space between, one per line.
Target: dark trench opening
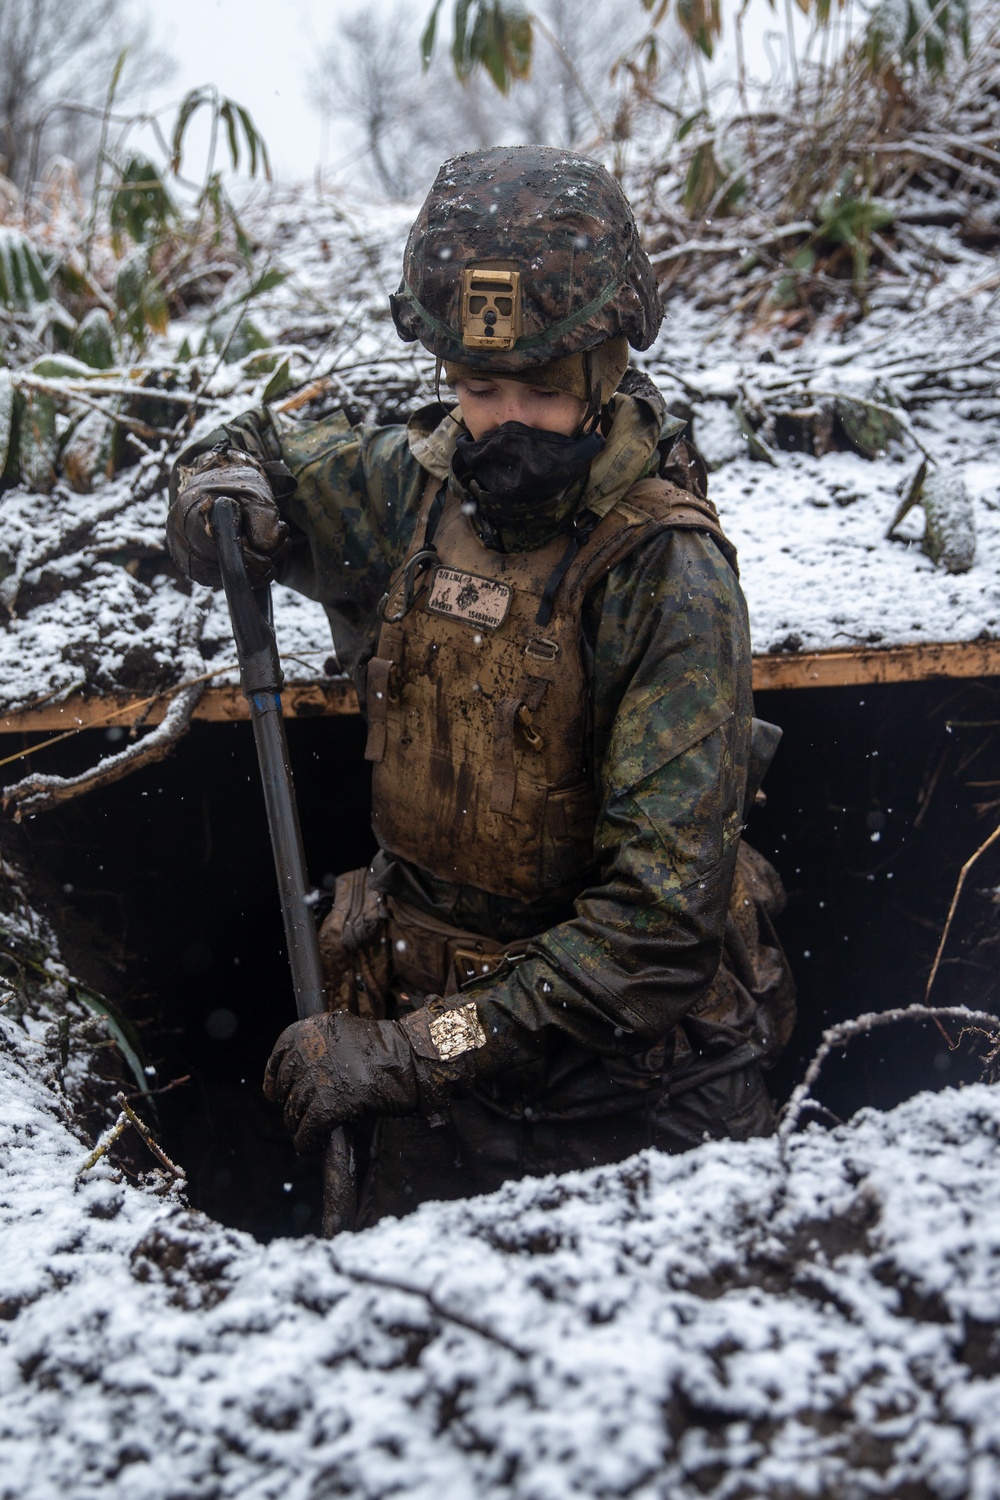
876 798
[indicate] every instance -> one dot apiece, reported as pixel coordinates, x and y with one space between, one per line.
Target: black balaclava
523 484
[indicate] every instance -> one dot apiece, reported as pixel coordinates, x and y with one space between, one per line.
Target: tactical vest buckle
535 740
407 583
542 648
470 963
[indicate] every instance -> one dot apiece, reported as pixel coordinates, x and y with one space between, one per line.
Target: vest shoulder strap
651 506
680 510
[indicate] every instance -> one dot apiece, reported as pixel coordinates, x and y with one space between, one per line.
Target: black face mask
524 482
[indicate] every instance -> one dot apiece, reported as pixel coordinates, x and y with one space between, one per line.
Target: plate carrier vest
478 715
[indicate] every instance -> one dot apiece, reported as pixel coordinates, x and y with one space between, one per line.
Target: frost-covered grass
719 1324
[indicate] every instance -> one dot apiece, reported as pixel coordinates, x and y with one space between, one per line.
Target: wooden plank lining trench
852 667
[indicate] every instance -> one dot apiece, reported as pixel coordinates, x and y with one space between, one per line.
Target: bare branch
840 1035
954 906
37 793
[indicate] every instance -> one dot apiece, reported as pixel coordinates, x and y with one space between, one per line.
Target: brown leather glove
263 534
333 1068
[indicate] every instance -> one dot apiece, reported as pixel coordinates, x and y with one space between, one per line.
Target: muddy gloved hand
263 534
334 1068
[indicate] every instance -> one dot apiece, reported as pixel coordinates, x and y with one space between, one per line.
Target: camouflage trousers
476 1150
382 957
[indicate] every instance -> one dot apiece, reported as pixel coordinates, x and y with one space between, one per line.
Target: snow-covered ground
726 1324
817 566
735 1323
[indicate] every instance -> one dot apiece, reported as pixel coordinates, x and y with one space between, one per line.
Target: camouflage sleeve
350 496
672 707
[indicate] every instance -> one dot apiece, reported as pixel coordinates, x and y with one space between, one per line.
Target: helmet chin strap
594 402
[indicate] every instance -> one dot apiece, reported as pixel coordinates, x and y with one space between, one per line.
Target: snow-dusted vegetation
747 1320
812 1317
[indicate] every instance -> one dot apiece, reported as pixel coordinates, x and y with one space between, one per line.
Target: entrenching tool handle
262 681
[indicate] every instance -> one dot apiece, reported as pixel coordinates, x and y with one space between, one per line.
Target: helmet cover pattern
557 218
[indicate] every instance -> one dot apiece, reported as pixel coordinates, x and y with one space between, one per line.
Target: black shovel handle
262 681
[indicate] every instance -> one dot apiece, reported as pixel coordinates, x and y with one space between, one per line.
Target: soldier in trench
562 951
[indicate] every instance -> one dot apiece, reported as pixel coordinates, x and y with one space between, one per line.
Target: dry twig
143 1129
472 1325
105 1141
954 904
128 1116
841 1034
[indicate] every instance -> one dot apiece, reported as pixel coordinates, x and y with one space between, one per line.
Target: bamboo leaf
460 41
38 446
255 141
266 282
61 367
686 126
521 39
6 417
24 285
87 453
94 340
428 36
229 120
191 102
278 382
116 73
141 204
121 1031
701 22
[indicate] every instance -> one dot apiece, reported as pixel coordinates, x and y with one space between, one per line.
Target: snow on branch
838 1036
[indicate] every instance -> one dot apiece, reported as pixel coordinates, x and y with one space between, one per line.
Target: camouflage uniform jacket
607 999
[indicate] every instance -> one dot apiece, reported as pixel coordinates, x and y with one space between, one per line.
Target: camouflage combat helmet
522 255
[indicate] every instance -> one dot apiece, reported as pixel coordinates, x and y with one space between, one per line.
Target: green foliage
143 214
140 206
234 335
51 423
8 403
850 218
61 367
707 178
236 120
24 285
869 421
278 383
700 21
908 34
141 304
38 446
87 453
496 35
26 966
93 342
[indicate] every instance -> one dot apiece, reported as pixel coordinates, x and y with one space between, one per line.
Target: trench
873 803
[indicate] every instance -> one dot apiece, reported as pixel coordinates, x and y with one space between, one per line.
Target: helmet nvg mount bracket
491 308
522 255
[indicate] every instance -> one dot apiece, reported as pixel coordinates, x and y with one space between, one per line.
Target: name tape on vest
466 596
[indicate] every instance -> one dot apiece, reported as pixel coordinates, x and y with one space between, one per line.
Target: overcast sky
260 52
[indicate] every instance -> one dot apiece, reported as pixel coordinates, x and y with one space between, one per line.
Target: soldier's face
488 403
